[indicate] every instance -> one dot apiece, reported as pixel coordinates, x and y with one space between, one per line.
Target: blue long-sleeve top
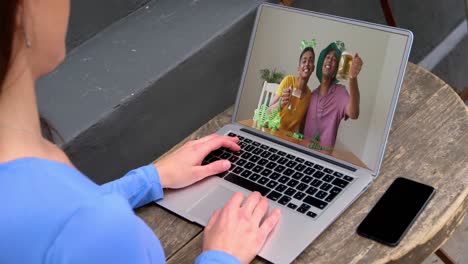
52 213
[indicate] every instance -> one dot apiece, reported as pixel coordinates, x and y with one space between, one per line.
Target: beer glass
344 67
294 99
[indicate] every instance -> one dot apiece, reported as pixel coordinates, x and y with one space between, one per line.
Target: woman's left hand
356 66
183 167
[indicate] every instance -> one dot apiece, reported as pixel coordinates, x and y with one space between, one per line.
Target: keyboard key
315 202
255 143
291 164
321 194
249 165
281 153
274 195
327 170
262 162
338 174
290 192
232 134
254 177
292 183
291 157
283 179
346 177
336 190
300 167
326 186
271 165
316 183
240 137
300 160
243 145
306 179
308 163
274 175
246 155
237 170
340 183
311 190
272 184
241 162
265 147
318 174
318 167
311 214
257 151
246 174
288 172
280 168
233 159
273 150
309 171
217 152
284 200
254 158
249 148
297 175
265 154
281 188
328 178
299 195
248 140
303 208
257 169
263 180
282 161
251 186
330 197
292 206
302 186
266 172
225 155
274 157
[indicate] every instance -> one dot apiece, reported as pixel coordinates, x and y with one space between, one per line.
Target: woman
51 212
293 110
330 102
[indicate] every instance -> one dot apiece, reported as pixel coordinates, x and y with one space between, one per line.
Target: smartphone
392 216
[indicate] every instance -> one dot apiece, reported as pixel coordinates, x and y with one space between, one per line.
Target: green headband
308 44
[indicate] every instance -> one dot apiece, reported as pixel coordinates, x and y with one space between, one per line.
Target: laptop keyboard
283 178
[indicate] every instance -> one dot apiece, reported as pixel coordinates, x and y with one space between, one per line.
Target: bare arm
352 109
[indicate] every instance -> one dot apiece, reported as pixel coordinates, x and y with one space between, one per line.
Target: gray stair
138 87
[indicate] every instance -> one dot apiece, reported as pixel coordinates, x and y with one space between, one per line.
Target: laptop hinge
336 163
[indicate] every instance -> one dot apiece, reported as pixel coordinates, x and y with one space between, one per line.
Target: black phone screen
396 210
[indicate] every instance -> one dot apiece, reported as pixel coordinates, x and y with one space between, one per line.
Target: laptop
311 184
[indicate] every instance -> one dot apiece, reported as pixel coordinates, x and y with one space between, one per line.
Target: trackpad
216 199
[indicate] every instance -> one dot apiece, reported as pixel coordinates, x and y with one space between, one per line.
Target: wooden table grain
428 143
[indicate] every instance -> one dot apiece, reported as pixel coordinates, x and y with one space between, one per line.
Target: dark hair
306 49
8 9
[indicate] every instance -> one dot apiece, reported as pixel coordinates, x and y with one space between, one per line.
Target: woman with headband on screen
293 95
330 102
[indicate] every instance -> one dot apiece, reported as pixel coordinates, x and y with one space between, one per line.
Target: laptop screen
323 83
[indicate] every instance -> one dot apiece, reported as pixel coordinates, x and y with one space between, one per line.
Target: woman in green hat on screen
330 102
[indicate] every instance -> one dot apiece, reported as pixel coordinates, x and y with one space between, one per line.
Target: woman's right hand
285 96
237 228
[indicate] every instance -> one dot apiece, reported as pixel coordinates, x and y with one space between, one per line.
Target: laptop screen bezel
409 40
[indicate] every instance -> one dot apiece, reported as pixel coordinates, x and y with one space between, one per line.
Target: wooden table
428 143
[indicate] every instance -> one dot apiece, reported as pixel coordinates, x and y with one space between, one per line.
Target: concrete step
138 87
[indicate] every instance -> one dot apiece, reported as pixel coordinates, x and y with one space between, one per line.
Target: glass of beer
294 99
344 67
